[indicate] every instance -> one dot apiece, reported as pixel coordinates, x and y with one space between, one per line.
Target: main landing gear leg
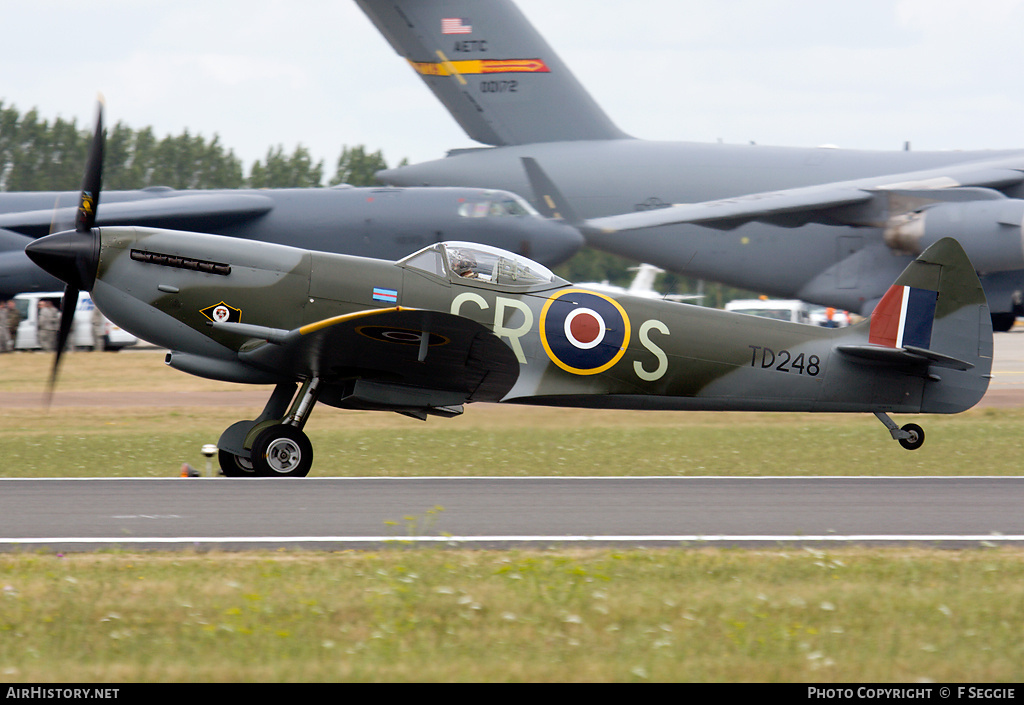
273 445
911 436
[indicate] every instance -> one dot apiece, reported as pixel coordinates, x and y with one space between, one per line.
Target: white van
778 309
81 331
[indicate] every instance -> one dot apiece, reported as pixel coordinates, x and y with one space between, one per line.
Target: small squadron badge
222 313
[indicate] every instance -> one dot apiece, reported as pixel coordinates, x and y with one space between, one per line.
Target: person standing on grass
13 319
48 324
5 342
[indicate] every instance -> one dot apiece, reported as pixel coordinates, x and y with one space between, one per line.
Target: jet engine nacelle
990 231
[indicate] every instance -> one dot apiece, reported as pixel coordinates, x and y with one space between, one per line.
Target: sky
863 74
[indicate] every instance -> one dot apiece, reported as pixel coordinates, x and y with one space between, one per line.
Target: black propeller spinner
73 255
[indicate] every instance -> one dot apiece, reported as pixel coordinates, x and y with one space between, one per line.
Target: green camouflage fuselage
217 305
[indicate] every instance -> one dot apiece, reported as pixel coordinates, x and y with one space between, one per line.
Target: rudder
936 316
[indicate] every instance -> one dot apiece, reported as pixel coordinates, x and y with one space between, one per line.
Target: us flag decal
455 25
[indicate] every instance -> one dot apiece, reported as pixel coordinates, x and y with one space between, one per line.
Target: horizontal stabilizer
903 356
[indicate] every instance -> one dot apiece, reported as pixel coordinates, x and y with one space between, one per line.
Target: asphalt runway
331 513
338 513
1007 385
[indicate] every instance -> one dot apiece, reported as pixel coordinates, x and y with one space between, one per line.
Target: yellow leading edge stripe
328 322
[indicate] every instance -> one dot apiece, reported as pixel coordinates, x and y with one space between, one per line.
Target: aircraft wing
160 211
865 202
13 242
401 348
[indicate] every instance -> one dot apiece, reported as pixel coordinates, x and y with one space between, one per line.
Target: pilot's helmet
464 265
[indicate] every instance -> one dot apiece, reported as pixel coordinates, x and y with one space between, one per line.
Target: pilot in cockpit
465 267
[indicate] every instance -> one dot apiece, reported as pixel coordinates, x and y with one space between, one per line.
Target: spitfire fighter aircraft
456 322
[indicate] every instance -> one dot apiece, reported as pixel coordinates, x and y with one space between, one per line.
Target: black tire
916 439
233 466
282 451
1003 322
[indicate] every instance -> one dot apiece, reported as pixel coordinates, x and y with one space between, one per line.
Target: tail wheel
282 451
916 439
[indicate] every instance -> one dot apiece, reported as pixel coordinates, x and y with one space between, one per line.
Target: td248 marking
803 365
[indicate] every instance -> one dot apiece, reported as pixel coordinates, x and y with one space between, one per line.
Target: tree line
41 155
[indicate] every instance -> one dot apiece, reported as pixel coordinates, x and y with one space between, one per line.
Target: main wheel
1002 322
232 465
916 439
282 451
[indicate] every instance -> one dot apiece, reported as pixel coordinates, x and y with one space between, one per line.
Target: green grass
592 615
120 442
404 614
106 441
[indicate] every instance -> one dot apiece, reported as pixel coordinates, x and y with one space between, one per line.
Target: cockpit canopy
496 204
472 262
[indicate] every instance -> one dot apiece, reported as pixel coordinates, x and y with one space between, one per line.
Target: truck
791 310
778 309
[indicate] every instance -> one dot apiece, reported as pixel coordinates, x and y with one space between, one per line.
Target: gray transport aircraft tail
828 226
496 75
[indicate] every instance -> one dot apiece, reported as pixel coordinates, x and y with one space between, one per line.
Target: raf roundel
583 332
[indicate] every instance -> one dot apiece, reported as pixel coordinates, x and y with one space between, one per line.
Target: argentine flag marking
388 296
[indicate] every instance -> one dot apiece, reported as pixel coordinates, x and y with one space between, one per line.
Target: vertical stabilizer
493 71
644 279
934 321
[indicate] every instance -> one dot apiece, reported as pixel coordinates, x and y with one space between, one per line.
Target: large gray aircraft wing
866 202
161 211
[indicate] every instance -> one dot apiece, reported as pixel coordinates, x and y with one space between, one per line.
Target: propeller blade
67 317
88 202
58 223
73 255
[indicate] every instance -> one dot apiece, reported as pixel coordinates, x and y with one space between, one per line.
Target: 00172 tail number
499 86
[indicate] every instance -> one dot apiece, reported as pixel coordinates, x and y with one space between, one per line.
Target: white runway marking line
510 478
147 516
830 538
